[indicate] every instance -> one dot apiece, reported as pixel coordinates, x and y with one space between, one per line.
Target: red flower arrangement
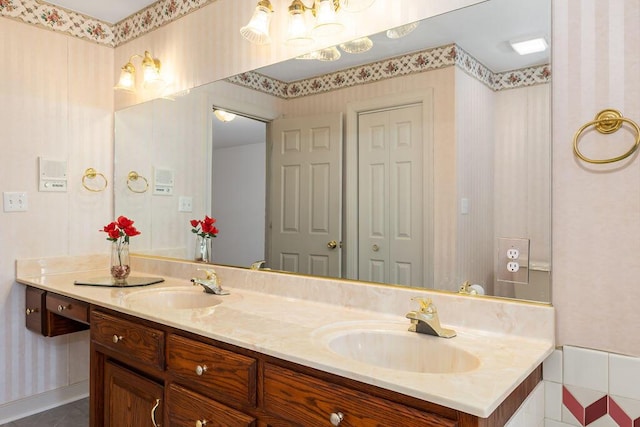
204 228
120 230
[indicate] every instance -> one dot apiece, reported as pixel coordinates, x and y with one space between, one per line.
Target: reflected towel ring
91 173
607 121
133 176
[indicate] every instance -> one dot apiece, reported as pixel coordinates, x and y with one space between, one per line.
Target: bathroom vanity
280 350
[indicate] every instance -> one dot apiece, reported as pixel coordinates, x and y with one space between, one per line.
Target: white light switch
185 204
15 201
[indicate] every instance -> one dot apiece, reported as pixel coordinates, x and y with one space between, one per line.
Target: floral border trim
58 19
418 62
153 16
78 25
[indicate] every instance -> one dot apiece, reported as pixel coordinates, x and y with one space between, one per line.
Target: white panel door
306 195
391 196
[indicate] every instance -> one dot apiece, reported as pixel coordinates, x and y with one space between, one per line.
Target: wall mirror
476 186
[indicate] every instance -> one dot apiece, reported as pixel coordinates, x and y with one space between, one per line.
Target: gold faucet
425 320
212 284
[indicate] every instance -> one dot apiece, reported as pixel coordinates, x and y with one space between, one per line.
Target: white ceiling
111 11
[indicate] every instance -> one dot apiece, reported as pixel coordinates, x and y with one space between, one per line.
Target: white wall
57 103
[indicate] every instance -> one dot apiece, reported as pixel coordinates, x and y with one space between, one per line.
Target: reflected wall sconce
223 116
151 78
304 23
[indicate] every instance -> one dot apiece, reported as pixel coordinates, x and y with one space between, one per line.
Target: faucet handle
426 306
210 272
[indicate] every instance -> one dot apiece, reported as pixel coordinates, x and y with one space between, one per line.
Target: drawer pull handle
336 418
31 311
61 308
201 423
117 338
201 370
153 413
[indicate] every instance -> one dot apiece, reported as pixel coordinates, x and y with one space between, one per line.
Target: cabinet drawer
68 307
212 370
186 408
308 401
43 321
132 340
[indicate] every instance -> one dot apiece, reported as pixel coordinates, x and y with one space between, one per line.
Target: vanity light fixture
150 74
223 116
528 46
257 30
301 26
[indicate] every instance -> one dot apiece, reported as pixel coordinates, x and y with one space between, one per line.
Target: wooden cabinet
306 401
131 399
202 382
39 318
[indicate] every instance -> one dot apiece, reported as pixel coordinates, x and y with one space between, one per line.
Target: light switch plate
512 263
185 204
15 201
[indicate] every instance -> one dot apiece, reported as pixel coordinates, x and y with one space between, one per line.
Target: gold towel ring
607 121
133 176
91 173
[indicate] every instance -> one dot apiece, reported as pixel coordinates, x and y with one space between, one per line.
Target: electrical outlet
513 267
513 253
15 201
512 263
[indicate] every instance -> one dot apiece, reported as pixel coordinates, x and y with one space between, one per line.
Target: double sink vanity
286 350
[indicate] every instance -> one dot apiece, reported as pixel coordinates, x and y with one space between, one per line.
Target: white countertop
297 329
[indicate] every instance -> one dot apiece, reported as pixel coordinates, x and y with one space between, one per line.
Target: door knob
375 248
332 244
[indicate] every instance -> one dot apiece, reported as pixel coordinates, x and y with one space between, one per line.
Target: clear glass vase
203 249
120 266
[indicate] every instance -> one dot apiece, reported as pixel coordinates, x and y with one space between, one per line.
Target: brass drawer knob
336 418
31 311
61 308
117 338
201 369
201 423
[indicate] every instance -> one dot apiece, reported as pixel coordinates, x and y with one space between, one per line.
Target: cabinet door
129 399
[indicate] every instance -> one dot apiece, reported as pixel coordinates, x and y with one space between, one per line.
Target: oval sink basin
173 299
403 351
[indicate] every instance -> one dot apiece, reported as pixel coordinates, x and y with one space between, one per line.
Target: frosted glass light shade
360 45
327 23
401 31
127 80
257 30
297 26
224 116
329 54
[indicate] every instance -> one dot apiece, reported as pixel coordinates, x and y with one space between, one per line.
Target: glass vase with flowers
119 232
205 230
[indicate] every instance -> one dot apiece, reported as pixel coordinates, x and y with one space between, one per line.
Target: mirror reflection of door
306 195
239 190
390 195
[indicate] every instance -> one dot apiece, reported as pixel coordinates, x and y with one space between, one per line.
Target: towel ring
133 176
605 122
91 173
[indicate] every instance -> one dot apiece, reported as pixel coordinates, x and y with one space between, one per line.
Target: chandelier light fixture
305 22
402 30
151 78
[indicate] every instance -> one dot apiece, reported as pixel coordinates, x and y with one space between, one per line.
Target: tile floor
74 414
